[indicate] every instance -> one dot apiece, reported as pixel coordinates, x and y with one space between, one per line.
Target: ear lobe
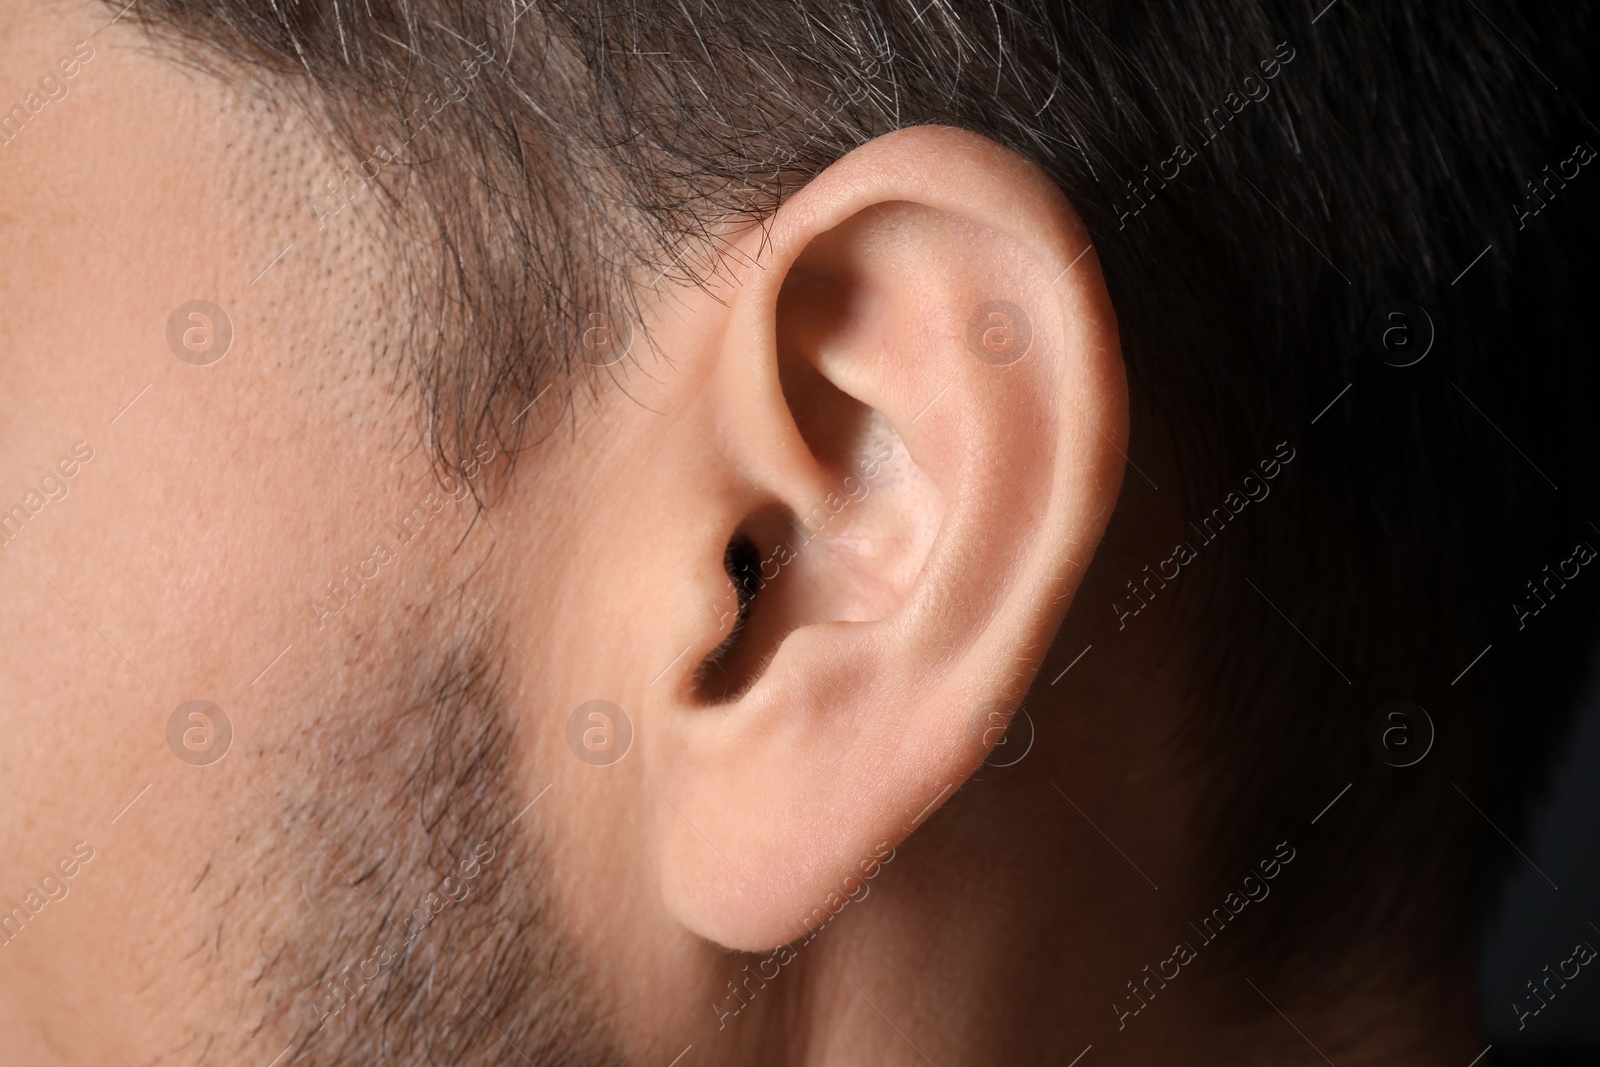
923 383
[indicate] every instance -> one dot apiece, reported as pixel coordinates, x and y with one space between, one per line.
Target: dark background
1536 925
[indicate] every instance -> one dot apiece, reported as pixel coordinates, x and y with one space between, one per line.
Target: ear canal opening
759 562
720 678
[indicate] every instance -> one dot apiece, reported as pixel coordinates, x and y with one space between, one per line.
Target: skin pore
400 801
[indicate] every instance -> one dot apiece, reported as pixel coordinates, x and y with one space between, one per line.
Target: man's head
527 527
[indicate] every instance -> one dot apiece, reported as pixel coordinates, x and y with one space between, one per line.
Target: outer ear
920 382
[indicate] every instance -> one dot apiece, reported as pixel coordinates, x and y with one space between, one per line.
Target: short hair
1260 181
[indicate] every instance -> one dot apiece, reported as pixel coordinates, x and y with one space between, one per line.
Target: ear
915 374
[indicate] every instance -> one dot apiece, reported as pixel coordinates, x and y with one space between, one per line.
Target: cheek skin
218 500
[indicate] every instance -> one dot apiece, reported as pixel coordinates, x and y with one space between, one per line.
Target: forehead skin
183 562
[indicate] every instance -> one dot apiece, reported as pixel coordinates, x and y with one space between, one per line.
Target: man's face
387 673
326 748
